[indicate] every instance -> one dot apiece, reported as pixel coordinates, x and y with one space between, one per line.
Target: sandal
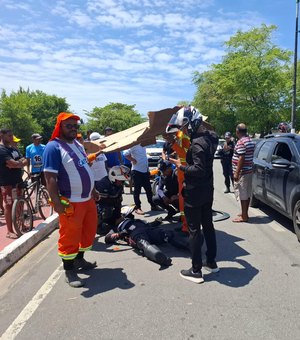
239 220
12 236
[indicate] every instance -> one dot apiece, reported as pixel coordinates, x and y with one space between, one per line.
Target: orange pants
77 232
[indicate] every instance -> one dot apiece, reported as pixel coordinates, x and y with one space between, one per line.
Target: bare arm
131 159
12 164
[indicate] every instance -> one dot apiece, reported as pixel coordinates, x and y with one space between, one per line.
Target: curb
16 250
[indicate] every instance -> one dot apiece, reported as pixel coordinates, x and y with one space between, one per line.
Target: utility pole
294 102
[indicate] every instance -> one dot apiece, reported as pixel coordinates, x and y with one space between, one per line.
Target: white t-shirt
138 152
98 167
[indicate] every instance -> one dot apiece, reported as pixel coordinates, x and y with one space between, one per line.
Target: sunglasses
71 126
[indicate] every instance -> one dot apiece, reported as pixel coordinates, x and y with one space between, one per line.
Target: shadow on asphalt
273 215
101 280
242 272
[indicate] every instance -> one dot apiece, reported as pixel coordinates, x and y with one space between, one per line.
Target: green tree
183 102
27 112
116 115
252 83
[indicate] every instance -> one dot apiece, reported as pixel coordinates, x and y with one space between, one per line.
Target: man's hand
133 161
175 161
166 200
236 177
96 195
59 207
174 198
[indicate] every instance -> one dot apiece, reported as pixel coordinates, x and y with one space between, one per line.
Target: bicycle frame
32 189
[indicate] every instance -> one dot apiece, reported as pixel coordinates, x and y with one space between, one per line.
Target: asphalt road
254 296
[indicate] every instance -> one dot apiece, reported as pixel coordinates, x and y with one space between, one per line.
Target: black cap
164 165
108 128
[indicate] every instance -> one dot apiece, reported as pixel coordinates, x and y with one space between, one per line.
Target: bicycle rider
34 156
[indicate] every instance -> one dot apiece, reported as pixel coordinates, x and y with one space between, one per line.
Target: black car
276 175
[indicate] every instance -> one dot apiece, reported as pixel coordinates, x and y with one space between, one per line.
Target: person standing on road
140 176
242 170
99 164
198 189
69 176
34 156
11 164
226 160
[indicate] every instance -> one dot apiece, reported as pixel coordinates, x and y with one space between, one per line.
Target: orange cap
62 116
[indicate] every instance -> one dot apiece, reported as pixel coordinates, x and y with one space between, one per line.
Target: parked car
154 152
219 148
276 175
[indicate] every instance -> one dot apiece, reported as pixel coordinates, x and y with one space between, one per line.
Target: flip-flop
12 236
239 220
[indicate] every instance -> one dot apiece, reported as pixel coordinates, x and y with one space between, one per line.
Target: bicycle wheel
44 207
22 217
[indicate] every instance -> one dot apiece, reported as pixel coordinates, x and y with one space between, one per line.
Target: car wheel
296 219
254 202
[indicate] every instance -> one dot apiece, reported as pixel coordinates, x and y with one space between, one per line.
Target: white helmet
186 116
95 136
119 172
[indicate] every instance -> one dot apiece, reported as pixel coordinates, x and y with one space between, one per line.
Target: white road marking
15 328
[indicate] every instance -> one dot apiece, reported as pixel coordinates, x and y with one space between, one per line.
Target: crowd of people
93 186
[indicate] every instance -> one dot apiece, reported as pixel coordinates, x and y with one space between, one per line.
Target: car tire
296 219
254 202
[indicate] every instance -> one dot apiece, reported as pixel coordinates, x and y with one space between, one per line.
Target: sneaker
84 264
139 211
212 267
227 191
191 276
72 279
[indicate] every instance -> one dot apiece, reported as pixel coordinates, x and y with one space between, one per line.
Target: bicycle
34 199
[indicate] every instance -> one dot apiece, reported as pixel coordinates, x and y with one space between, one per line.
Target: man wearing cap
167 193
11 164
69 176
226 154
34 156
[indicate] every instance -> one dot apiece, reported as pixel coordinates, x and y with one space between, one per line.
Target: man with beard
70 183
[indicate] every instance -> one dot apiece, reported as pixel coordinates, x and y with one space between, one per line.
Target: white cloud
92 52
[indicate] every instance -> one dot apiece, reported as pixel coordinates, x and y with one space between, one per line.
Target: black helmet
186 116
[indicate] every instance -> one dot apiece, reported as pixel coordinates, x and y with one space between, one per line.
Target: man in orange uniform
68 174
181 144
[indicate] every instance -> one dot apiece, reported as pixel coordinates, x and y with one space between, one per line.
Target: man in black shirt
226 159
11 164
198 189
167 192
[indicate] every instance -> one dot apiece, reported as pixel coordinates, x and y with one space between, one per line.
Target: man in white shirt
99 164
140 175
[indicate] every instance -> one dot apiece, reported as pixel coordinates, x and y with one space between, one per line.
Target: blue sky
143 52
